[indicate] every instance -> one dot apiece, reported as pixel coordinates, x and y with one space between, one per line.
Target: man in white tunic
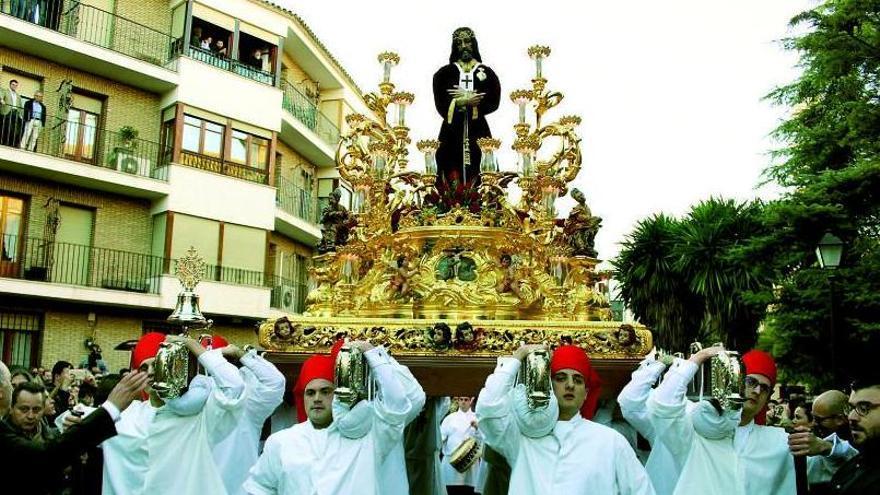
394 478
661 466
557 449
264 391
338 450
455 429
731 453
166 447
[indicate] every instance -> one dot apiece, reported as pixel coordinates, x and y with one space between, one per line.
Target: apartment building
208 123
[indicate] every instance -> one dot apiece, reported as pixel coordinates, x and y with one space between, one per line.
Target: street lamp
829 251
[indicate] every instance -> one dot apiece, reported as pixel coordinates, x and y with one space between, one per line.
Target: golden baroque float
454 273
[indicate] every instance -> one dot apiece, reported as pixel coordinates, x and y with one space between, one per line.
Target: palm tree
708 260
686 279
652 285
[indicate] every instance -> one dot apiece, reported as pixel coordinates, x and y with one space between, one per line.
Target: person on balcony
10 115
34 121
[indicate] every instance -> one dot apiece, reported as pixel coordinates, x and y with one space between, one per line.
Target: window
81 133
11 231
202 136
19 338
249 150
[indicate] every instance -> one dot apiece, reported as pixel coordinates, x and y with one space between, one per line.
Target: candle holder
388 60
402 100
429 147
379 155
538 53
488 146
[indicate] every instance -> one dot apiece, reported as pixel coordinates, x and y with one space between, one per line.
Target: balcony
36 267
308 130
87 156
288 296
296 200
220 166
93 30
231 65
40 260
296 212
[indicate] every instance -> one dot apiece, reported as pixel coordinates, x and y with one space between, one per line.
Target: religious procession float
446 267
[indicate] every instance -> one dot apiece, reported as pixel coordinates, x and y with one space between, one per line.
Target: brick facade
123 105
120 223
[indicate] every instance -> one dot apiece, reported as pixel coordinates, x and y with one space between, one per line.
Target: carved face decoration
464 334
282 328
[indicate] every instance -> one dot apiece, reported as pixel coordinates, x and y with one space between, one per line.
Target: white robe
662 466
751 459
157 451
575 457
394 478
302 460
238 452
455 429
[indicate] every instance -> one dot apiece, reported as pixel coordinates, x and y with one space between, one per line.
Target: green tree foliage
684 279
830 160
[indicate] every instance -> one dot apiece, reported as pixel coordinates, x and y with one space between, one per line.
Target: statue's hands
463 97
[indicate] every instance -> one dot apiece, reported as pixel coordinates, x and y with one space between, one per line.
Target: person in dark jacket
34 121
30 459
861 474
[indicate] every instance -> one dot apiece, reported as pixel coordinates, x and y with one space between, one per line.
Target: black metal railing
306 111
32 258
295 200
98 27
232 65
287 295
240 276
83 143
220 166
37 259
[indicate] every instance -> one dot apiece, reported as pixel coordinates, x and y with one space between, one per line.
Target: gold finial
428 145
403 98
521 96
391 57
570 121
355 119
526 143
539 51
189 269
488 144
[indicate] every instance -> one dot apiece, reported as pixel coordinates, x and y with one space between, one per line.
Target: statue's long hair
455 54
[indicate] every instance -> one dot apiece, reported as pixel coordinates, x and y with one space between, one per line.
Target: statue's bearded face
464 45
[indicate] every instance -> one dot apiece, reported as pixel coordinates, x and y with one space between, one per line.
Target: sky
670 92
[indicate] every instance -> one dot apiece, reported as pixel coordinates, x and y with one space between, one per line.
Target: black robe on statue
450 155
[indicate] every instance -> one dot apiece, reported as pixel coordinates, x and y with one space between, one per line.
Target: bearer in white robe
394 478
661 466
455 429
557 450
264 385
338 450
728 453
166 447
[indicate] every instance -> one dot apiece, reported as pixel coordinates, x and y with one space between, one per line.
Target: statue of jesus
465 91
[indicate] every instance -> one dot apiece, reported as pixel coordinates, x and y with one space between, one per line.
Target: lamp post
829 252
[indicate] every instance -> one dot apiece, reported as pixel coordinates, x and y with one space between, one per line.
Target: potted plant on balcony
124 156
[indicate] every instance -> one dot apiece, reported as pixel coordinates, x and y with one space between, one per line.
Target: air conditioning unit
287 298
132 164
